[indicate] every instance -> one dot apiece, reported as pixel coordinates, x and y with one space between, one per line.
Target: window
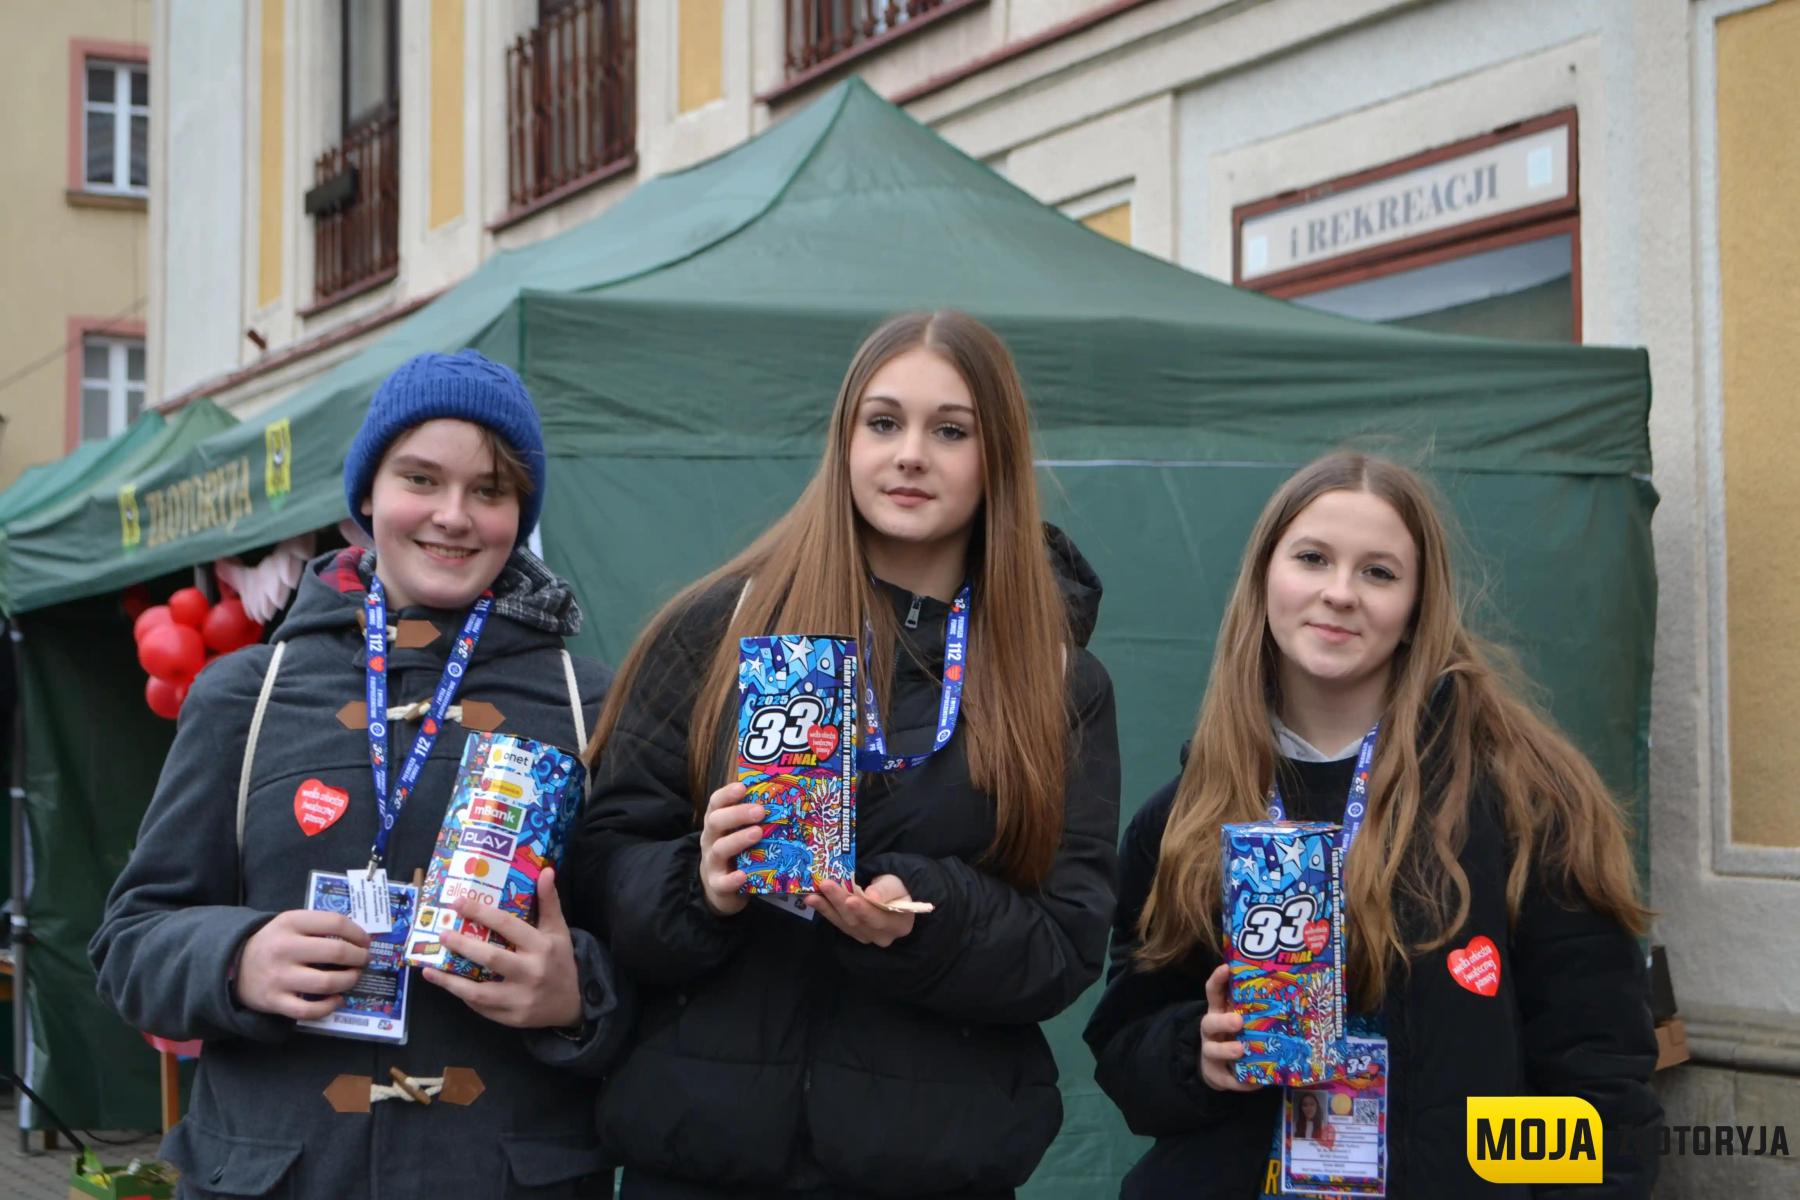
369 77
821 33
571 116
355 198
1524 290
112 385
116 128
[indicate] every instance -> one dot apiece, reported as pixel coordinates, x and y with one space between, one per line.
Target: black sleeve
1584 1002
608 1008
635 862
1145 1032
174 923
991 952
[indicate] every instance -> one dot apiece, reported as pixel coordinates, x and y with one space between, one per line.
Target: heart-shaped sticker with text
317 806
1477 966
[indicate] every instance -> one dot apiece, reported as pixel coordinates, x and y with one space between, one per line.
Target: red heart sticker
953 672
1316 934
317 806
1477 968
823 739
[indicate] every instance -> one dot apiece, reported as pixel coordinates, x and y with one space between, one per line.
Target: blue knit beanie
465 386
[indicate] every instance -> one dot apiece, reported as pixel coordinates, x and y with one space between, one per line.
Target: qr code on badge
1367 1112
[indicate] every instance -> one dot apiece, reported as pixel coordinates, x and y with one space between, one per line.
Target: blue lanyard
872 754
1355 807
375 638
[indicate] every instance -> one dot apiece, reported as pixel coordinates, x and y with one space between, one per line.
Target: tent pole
20 923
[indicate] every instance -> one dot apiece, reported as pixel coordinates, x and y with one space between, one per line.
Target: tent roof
711 312
45 495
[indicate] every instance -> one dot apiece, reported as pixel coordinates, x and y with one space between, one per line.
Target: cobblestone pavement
38 1174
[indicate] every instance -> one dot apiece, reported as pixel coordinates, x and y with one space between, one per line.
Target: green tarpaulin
52 495
685 345
90 747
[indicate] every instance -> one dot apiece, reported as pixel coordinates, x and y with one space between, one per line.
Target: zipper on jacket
912 614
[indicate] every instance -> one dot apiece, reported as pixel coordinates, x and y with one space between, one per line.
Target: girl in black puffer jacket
1489 899
850 1051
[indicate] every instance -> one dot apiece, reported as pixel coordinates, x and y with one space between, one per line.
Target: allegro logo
1535 1139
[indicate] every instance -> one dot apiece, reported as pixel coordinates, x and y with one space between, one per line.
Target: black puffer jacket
776 1054
1571 1018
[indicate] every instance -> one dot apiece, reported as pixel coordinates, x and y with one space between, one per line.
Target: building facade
1603 171
73 249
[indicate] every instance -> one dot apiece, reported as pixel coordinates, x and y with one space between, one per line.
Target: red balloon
227 628
150 618
163 697
189 607
172 652
135 600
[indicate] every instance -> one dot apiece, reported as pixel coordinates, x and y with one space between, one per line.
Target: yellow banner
1535 1139
215 499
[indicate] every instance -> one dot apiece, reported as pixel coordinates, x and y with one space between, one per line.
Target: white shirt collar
1291 745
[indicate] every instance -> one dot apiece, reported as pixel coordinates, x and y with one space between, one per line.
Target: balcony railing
819 31
571 97
355 206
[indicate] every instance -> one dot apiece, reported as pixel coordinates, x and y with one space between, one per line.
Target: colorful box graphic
797 755
508 819
1285 947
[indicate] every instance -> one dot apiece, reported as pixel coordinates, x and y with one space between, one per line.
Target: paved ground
38 1174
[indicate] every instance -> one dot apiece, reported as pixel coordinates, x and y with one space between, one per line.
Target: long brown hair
1559 818
808 572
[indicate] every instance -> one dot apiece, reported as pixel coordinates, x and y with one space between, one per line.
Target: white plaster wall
1122 155
454 249
668 139
200 225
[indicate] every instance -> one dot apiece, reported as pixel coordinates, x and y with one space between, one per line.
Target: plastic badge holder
508 819
1285 947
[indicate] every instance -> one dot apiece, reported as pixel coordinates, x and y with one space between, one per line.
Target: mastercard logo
476 868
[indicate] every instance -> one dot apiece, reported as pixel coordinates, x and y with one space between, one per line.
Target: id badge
375 1009
793 903
1334 1134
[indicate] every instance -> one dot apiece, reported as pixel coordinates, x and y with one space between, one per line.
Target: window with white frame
112 385
116 128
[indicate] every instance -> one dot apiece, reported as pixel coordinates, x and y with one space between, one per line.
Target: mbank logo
1535 1139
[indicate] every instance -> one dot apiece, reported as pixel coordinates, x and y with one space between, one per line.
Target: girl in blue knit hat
207 934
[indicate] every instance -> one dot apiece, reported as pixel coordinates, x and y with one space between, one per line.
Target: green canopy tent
86 735
685 345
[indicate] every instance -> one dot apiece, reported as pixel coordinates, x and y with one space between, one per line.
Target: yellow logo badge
1535 1139
130 532
278 459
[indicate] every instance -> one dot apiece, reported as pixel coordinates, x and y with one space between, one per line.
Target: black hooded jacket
777 1054
1570 1017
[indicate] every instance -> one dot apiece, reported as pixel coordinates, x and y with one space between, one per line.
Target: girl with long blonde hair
847 1049
1490 904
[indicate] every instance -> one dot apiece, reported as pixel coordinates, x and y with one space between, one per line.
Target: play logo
1535 1139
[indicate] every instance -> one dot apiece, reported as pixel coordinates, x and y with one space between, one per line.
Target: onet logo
1535 1139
